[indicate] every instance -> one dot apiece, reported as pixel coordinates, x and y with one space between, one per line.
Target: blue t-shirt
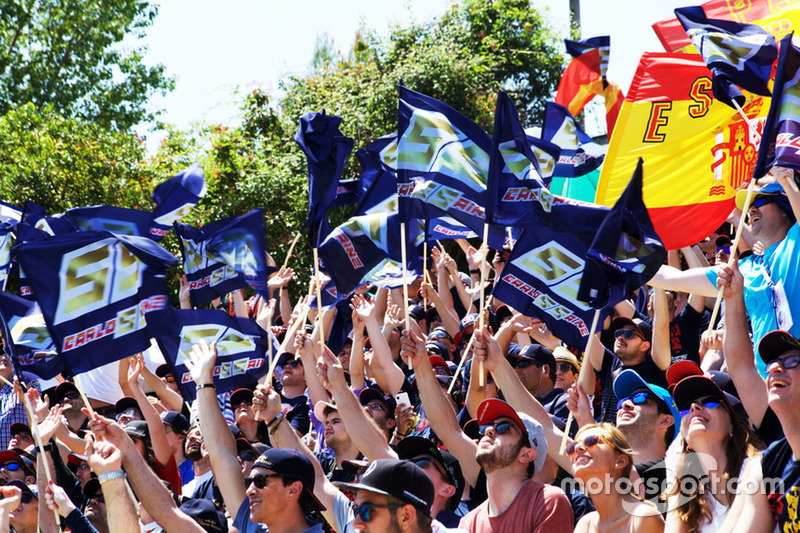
780 263
244 525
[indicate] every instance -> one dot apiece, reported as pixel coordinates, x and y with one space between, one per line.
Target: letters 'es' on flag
579 153
625 253
95 290
442 165
514 178
697 151
778 18
326 150
31 347
175 197
739 55
242 346
781 142
543 274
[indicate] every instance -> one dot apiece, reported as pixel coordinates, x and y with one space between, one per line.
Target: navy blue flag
579 153
175 197
95 289
547 155
114 219
10 216
442 165
514 179
625 253
326 150
543 274
737 54
31 346
347 192
242 346
362 247
780 144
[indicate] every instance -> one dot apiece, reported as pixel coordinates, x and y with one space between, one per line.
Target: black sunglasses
364 511
627 333
72 396
786 361
98 496
260 480
762 200
565 367
638 398
293 363
499 428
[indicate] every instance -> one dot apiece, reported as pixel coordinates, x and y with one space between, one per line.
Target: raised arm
158 435
388 375
661 351
448 316
356 366
738 349
218 439
692 281
171 399
487 349
437 409
105 460
316 391
362 429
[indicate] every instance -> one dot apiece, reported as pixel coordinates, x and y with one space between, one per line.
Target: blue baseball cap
628 381
773 191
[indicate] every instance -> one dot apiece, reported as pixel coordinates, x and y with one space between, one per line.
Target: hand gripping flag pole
485 251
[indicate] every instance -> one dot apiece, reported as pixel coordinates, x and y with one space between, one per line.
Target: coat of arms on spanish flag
698 151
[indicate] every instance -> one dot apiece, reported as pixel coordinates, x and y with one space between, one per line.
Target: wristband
476 271
114 474
205 386
276 421
48 447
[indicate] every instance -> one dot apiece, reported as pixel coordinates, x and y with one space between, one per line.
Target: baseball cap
176 420
205 514
642 328
466 322
29 489
562 355
691 388
20 456
538 353
774 191
414 446
400 479
437 348
125 403
628 381
241 395
18 427
290 462
371 393
63 389
322 408
136 428
162 370
491 409
92 487
776 343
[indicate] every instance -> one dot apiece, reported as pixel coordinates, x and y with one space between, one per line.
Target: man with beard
511 450
95 509
197 453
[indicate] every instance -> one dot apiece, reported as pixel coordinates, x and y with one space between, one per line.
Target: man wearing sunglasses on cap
772 287
25 518
13 467
279 491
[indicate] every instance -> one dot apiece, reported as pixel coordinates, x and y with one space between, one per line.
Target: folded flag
581 81
114 219
326 150
95 289
175 197
625 253
242 346
31 346
738 55
780 144
579 153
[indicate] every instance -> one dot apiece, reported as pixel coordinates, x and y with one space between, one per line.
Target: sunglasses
72 396
169 379
238 405
364 511
565 367
638 398
97 496
11 467
523 363
260 480
294 364
786 361
708 403
762 200
376 406
499 428
725 249
588 443
627 333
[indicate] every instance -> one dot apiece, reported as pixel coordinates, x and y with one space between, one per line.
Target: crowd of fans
677 424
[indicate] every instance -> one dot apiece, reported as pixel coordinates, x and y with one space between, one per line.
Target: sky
219 54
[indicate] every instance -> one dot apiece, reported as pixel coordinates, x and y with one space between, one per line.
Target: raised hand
51 423
412 348
280 279
57 500
265 314
363 307
102 456
200 363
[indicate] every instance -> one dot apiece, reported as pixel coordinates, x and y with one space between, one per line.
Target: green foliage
78 57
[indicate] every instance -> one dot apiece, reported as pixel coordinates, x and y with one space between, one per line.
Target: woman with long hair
602 461
715 445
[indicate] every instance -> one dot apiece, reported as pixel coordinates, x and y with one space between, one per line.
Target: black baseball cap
399 479
205 513
241 395
776 343
176 420
125 403
371 393
414 446
162 370
644 329
538 353
63 389
291 462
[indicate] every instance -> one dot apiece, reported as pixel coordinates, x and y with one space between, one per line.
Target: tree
69 54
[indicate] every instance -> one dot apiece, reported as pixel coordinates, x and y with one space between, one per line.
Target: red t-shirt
537 508
170 474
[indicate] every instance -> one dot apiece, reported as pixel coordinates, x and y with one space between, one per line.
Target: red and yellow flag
580 82
697 151
778 17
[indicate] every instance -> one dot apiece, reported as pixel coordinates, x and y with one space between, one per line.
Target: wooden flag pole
484 250
405 282
319 297
291 249
580 376
425 272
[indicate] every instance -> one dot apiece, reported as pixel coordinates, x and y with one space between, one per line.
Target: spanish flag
580 82
697 150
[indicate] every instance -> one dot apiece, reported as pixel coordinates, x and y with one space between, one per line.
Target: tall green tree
80 57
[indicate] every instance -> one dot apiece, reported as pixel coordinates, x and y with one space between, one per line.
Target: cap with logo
399 479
